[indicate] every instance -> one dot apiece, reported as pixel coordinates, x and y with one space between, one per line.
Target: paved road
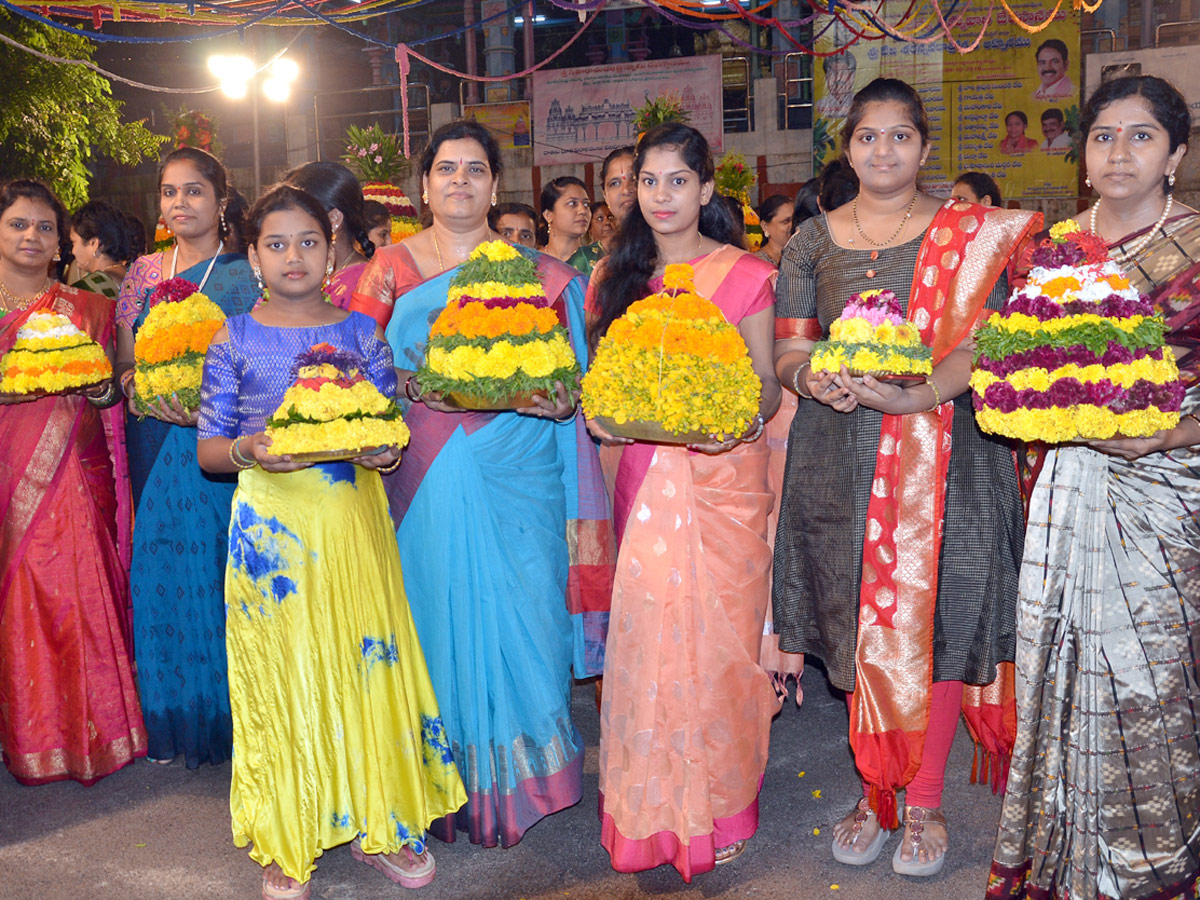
154 832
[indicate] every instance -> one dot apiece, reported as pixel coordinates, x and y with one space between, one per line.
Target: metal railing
1187 23
334 111
738 93
1096 34
795 79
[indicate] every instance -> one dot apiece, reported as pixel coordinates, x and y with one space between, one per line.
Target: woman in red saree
686 710
68 706
900 525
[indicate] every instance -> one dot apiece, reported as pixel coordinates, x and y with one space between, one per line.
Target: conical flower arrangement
332 411
399 207
170 346
51 355
499 340
1077 353
672 362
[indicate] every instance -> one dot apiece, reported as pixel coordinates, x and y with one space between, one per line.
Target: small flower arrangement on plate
51 355
499 341
672 370
1077 354
872 337
403 214
169 350
331 411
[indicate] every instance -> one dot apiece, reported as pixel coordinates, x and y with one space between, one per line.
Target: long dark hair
1166 104
634 256
113 228
336 188
283 197
39 192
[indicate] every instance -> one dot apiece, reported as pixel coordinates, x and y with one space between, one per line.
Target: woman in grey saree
1103 796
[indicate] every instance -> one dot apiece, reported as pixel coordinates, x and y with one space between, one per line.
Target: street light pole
257 144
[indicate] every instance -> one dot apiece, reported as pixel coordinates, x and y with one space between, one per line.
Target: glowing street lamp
235 73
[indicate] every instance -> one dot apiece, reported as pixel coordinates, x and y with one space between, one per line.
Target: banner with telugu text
582 114
1009 108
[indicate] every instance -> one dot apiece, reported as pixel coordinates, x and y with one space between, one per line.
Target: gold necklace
438 250
895 234
13 303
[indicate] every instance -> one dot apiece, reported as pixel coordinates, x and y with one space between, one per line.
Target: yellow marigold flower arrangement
1076 354
673 359
498 336
872 336
331 410
169 350
52 355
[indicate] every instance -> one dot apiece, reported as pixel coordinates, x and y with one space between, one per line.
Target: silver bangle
762 424
796 379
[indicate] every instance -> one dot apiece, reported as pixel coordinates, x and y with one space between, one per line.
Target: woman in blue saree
181 524
502 522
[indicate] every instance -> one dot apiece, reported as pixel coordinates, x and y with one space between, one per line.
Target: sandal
294 891
852 857
421 873
730 853
915 819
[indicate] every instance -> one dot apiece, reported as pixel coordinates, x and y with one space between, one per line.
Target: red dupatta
964 251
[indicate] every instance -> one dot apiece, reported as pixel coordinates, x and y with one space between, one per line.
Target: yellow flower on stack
169 349
52 355
673 359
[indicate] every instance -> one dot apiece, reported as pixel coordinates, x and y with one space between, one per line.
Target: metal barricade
794 75
1189 36
738 94
334 111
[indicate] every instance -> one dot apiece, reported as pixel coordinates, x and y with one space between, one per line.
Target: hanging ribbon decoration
404 51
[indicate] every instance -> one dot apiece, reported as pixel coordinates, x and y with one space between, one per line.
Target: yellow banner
1009 108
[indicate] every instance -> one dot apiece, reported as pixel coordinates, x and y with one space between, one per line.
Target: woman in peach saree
686 708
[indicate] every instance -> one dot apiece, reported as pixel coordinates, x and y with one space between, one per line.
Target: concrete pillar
498 54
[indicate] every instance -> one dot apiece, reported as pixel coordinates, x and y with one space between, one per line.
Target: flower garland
1075 354
498 335
52 355
673 359
403 214
331 406
872 335
169 350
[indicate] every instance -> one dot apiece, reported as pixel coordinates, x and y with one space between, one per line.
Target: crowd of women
388 643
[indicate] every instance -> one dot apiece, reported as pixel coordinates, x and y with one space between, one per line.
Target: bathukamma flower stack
52 355
168 352
331 408
1077 353
674 360
872 337
498 340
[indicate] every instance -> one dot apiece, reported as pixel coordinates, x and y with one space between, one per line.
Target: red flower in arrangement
172 291
1093 246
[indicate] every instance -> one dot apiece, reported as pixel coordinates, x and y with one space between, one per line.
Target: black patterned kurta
827 483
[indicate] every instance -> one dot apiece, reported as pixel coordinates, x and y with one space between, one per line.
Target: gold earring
425 196
224 227
1088 180
57 256
493 198
258 277
1171 179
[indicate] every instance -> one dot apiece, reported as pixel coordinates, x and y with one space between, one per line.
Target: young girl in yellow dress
336 731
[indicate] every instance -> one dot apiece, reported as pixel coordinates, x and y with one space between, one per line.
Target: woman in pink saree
68 705
687 707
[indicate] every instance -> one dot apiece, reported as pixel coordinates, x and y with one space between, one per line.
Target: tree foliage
55 116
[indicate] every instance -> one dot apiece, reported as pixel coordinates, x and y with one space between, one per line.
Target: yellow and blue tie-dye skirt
336 730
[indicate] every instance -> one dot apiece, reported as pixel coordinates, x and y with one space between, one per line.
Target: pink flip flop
416 877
